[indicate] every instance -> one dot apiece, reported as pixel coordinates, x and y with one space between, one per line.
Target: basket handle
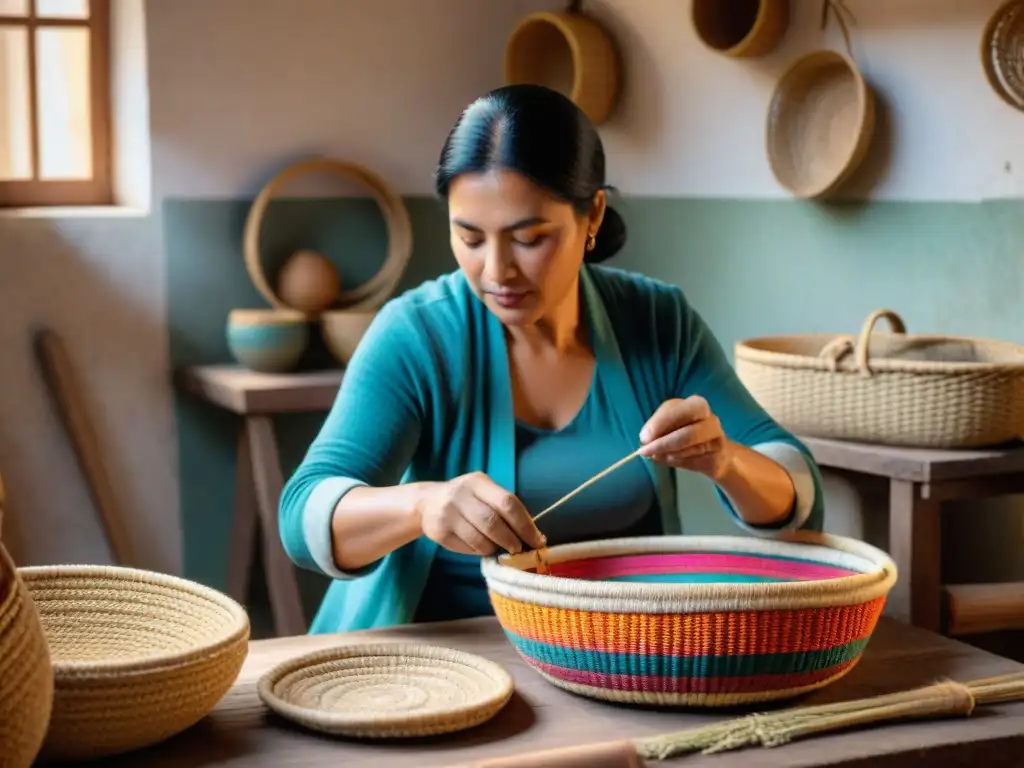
836 350
864 341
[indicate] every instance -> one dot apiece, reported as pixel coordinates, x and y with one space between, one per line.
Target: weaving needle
591 481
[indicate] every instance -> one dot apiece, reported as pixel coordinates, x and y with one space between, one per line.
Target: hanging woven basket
889 388
1002 53
740 29
567 52
821 120
26 676
375 291
692 621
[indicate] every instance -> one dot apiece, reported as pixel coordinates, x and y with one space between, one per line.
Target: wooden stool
919 481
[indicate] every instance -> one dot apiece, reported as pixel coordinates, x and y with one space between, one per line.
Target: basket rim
988 58
748 350
504 576
757 30
86 669
558 20
504 686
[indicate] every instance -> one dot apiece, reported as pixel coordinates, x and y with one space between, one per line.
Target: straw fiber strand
26 677
137 656
387 690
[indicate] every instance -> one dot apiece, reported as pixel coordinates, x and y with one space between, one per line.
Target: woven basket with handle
889 388
26 677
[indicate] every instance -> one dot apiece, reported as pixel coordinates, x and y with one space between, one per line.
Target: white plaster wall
383 81
693 123
238 87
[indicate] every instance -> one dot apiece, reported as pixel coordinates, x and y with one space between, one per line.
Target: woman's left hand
684 433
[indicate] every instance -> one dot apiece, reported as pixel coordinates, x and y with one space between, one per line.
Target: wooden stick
70 404
591 481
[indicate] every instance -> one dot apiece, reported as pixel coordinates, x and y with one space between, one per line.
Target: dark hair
543 135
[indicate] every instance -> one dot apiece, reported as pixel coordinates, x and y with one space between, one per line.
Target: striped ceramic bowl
693 620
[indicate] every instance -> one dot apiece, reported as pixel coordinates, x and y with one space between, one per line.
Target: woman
477 399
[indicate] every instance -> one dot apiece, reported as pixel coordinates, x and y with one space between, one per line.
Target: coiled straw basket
889 388
692 620
26 677
137 656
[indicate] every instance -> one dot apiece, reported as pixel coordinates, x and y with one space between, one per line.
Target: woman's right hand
474 515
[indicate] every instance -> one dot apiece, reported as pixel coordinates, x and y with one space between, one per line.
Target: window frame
36 192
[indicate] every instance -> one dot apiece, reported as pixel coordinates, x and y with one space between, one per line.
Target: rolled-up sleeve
705 370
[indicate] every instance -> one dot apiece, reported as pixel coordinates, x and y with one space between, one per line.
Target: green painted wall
750 267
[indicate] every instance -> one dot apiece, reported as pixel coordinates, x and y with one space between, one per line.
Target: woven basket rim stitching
631 597
504 684
82 669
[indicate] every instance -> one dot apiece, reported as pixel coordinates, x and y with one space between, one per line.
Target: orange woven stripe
697 634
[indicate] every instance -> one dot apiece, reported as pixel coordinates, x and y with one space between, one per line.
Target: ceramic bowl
267 340
343 330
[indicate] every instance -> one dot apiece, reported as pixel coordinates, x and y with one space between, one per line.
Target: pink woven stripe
693 685
702 562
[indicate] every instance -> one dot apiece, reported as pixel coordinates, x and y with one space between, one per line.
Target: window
54 103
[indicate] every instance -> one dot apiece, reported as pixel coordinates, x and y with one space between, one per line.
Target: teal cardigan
427 396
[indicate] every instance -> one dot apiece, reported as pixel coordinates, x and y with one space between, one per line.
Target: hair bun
611 237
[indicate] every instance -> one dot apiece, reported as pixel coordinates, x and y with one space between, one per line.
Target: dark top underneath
549 464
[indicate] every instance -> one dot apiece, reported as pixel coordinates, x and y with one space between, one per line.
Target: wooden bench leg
281 582
915 534
242 546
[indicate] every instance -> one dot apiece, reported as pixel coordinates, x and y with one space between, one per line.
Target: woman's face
520 247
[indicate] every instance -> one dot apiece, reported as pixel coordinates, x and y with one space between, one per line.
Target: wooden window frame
36 192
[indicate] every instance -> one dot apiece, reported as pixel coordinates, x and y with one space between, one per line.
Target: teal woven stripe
696 578
687 666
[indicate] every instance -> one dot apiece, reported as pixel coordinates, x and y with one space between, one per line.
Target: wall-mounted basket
567 52
1002 53
375 291
821 120
740 28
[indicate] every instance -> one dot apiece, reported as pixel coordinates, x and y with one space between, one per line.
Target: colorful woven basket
692 620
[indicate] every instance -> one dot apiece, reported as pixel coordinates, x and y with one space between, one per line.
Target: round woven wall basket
1002 53
569 53
375 291
821 119
923 391
702 621
740 28
137 656
26 677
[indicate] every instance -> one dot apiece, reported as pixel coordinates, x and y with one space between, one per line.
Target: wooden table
240 732
256 397
919 481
